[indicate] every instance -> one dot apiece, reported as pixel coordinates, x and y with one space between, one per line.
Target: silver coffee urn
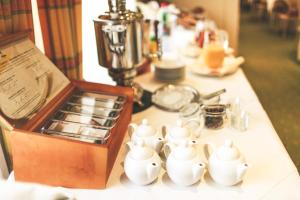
120 44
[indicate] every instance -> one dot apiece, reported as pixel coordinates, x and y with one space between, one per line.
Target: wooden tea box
29 101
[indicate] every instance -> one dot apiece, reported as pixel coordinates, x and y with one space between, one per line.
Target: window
37 26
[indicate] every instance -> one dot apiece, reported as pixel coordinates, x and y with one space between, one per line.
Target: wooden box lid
28 80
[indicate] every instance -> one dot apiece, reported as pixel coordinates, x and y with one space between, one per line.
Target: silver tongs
214 94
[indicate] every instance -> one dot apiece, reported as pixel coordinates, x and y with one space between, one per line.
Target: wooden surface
7 39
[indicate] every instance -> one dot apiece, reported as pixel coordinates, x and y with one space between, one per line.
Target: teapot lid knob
228 151
145 122
140 151
228 143
184 143
179 131
179 122
185 151
145 129
140 143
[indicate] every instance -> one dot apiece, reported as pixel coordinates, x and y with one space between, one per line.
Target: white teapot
226 165
142 164
147 134
184 165
178 133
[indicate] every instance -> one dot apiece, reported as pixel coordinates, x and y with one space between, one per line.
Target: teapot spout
241 170
198 170
159 142
167 148
153 170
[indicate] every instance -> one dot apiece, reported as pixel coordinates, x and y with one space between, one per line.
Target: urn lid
228 151
118 14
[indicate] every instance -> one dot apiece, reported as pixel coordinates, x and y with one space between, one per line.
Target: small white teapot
226 165
184 165
178 133
147 134
142 164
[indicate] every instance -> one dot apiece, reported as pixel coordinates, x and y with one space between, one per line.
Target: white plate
193 51
168 64
230 65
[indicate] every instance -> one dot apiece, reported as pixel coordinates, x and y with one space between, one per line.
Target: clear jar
215 116
239 118
191 116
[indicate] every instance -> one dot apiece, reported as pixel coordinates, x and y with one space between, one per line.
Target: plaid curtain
61 28
16 16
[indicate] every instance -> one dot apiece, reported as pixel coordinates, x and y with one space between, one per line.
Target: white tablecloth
272 175
272 171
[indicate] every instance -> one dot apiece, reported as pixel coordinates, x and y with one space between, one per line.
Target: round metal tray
173 97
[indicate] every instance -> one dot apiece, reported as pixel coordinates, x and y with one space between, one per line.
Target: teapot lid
179 131
140 151
145 129
228 151
184 151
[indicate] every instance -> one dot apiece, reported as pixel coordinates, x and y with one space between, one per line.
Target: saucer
230 65
169 70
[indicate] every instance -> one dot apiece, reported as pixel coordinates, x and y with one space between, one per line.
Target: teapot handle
129 145
168 149
164 131
206 150
131 129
